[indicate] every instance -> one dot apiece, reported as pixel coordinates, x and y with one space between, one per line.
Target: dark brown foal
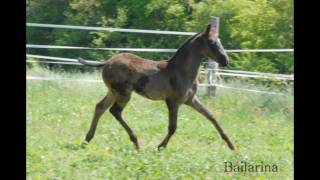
174 81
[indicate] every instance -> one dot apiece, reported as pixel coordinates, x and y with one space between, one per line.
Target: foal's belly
152 95
152 87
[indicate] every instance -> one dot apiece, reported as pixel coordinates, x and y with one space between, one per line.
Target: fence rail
100 81
256 76
109 29
231 72
36 46
55 62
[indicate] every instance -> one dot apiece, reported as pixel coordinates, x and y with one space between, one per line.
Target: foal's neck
186 61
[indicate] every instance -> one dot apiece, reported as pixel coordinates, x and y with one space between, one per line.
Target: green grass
59 114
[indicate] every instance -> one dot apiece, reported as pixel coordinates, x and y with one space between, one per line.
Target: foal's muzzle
224 60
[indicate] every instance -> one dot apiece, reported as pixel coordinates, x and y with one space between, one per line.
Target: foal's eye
212 44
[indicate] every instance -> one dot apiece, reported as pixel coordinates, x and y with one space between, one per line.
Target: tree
245 24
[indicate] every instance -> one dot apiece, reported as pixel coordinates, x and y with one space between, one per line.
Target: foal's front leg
196 104
173 114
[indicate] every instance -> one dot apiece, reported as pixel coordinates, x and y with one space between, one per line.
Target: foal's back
126 72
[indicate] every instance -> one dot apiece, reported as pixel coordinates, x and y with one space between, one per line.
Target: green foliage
245 24
59 114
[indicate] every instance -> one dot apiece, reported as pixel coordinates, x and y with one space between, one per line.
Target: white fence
236 73
100 81
147 49
70 61
109 29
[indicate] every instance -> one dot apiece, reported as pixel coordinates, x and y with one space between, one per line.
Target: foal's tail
91 63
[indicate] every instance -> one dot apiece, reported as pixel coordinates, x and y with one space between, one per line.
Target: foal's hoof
84 144
160 148
236 149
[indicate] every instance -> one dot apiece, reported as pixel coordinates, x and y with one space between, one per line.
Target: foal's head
213 47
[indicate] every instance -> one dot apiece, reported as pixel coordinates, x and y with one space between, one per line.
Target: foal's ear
211 31
207 30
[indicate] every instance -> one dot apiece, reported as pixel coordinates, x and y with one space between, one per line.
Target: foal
174 81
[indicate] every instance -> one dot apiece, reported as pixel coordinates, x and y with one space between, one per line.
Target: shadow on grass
73 147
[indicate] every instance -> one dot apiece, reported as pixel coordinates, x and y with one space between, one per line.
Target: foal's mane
182 47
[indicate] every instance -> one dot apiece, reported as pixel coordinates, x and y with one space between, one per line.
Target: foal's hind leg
195 104
116 111
101 107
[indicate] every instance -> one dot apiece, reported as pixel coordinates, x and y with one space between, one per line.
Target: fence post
215 21
212 66
212 78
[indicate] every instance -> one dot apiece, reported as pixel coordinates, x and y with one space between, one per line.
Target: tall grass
59 114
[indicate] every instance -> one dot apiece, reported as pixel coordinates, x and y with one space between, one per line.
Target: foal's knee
115 110
100 105
172 129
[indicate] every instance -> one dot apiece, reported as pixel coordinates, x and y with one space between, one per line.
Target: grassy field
59 114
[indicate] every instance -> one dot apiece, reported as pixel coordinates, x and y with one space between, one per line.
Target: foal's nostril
225 63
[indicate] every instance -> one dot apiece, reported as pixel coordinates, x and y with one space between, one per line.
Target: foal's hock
174 81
